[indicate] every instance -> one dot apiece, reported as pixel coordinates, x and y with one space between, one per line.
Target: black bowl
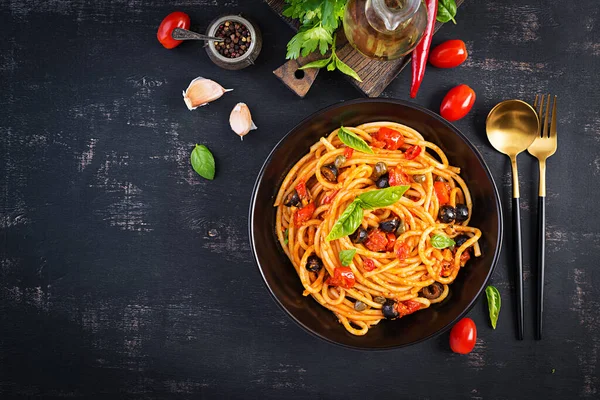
278 272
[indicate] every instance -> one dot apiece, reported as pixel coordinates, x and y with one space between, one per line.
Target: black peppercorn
237 38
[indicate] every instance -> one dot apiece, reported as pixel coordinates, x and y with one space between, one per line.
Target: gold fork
542 148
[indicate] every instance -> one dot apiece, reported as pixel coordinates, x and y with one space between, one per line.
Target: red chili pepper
393 139
342 277
421 52
401 250
442 191
397 177
369 264
348 153
412 152
303 214
301 189
174 20
329 198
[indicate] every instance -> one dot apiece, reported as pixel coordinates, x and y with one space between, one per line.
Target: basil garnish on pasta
381 198
441 241
348 222
351 139
346 256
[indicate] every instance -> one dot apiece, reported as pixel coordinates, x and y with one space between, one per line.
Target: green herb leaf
553 370
286 236
203 161
441 241
348 222
316 64
346 69
351 139
307 40
382 197
446 11
346 256
494 303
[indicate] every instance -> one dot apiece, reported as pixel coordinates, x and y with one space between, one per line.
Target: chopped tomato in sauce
442 191
368 264
393 139
391 240
342 277
446 269
412 152
407 307
401 250
397 177
329 198
464 257
376 240
348 153
303 214
301 189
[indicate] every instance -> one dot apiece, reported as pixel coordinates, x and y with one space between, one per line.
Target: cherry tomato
401 250
329 198
442 191
376 240
391 241
348 153
393 139
368 264
174 20
412 152
463 336
301 189
457 103
304 214
342 277
449 54
407 307
397 177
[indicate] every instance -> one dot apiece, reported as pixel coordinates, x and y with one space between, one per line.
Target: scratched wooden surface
111 285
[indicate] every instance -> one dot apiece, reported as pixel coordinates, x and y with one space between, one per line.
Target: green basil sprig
446 11
441 241
352 216
346 256
203 161
351 139
494 303
286 235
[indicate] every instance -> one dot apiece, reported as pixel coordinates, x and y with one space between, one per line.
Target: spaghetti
366 261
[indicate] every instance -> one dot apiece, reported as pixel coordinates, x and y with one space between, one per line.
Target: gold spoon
511 127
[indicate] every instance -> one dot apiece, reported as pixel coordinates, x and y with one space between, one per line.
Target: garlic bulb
202 91
241 120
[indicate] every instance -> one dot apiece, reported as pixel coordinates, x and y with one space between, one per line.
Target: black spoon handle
518 249
541 264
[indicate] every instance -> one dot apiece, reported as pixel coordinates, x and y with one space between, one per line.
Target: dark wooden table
111 285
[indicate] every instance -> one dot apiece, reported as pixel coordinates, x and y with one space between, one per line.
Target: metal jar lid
245 59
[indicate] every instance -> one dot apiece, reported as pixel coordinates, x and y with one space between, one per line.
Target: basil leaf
351 139
316 64
494 303
203 161
346 256
382 197
286 234
348 222
441 241
346 69
446 11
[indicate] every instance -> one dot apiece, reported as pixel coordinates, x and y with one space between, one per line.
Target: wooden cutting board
376 75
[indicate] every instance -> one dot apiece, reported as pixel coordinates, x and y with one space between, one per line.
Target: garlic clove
241 120
202 91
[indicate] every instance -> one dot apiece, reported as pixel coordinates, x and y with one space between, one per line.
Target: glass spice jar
243 42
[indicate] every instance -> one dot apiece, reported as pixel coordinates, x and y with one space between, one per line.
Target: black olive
314 263
447 214
462 212
330 172
383 181
389 225
379 169
389 309
359 235
292 199
460 240
433 291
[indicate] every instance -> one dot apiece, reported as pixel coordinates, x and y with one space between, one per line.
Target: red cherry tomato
442 191
342 277
391 240
174 20
401 250
329 198
301 190
304 214
369 264
457 103
449 54
348 153
412 152
397 177
393 139
463 336
376 240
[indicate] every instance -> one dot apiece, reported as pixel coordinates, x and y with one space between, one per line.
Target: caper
419 178
379 170
360 306
439 179
401 228
339 161
379 299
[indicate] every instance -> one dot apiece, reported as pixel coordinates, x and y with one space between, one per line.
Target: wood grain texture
375 75
124 275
